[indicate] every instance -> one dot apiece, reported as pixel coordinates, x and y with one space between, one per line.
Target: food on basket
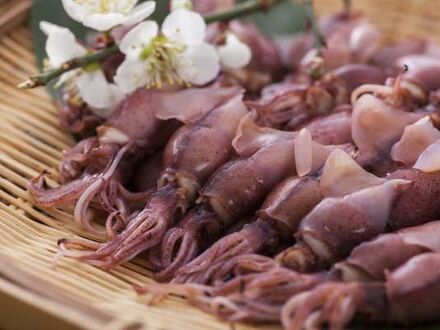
295 182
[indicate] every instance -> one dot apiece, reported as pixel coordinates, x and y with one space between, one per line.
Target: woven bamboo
73 294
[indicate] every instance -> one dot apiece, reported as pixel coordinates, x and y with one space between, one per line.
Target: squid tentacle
81 214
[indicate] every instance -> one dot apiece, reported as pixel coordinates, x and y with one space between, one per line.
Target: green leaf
286 18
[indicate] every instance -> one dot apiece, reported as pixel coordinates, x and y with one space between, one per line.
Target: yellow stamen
161 62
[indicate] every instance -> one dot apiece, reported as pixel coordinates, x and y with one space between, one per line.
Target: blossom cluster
175 53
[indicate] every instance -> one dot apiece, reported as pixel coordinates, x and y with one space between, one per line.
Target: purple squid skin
286 204
390 251
252 177
197 150
289 202
334 128
147 173
413 290
388 56
357 74
419 203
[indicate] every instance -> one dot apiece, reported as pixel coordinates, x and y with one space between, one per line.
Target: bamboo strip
29 127
24 53
13 13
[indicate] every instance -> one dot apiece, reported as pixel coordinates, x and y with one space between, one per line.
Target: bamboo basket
35 294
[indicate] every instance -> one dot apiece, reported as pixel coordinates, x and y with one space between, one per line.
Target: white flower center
107 6
162 60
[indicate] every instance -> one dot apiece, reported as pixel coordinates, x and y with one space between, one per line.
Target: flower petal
75 10
103 22
61 44
139 13
98 93
138 38
184 26
199 64
234 54
131 75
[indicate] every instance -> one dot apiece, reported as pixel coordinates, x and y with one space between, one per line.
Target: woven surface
30 141
397 19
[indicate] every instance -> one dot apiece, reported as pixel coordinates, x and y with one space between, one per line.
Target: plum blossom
90 82
175 54
103 15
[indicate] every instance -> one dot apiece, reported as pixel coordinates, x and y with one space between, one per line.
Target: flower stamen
107 6
161 62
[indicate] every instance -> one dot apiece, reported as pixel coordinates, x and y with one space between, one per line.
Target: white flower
103 15
176 54
61 44
92 86
234 54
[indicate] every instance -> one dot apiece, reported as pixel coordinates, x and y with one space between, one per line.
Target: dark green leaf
286 18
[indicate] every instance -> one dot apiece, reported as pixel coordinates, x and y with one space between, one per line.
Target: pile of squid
303 189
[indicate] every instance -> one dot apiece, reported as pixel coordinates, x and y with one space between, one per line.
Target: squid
338 224
407 295
250 138
412 201
419 203
235 190
376 127
255 145
349 39
390 251
387 57
340 176
414 140
259 293
141 124
277 219
292 103
421 76
411 88
192 154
